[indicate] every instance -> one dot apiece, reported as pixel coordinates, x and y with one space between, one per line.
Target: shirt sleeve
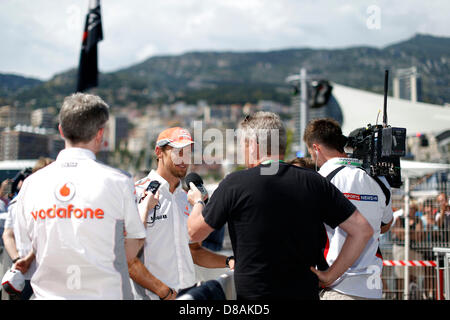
133 225
2 206
9 219
23 223
388 215
218 208
336 208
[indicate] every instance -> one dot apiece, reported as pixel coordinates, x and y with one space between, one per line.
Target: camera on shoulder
380 147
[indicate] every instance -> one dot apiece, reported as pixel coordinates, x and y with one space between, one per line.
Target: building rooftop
360 108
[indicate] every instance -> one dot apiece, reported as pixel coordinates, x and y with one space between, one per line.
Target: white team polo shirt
74 213
363 278
166 251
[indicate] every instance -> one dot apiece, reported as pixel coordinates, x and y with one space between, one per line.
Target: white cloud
43 37
147 51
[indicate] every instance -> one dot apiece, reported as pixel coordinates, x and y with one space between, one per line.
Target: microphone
198 182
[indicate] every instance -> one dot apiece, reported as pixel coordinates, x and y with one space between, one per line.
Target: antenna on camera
386 76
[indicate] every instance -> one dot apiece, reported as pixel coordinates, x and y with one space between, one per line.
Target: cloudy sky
43 37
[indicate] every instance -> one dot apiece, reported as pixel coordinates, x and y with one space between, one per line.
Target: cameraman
362 280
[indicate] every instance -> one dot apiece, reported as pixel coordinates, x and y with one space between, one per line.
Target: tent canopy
360 108
417 169
17 164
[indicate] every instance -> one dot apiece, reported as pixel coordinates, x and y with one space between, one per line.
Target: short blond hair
41 163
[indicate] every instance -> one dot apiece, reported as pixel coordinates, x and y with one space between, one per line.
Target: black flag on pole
93 33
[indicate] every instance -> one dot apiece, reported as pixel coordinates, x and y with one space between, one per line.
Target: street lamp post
303 105
303 109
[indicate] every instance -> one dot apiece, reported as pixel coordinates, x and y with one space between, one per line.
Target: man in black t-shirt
274 213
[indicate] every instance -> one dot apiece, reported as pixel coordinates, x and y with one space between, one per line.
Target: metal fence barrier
443 271
412 268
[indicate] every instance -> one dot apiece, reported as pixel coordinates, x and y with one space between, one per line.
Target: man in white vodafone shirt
362 280
166 264
79 216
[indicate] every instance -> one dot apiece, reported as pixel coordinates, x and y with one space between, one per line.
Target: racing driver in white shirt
166 263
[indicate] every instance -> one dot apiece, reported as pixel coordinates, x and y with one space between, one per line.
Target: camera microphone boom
380 147
386 76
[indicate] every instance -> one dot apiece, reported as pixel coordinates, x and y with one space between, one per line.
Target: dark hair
20 176
303 162
327 132
82 116
163 149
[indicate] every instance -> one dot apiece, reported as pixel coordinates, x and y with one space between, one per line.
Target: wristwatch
202 203
227 261
168 294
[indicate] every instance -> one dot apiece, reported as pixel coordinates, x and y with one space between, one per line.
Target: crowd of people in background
429 221
429 226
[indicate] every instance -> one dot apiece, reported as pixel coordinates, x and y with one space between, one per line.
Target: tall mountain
239 77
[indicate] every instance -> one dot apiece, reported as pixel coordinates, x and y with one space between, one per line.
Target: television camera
380 147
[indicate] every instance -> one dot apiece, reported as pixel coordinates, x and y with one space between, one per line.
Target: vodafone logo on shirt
65 192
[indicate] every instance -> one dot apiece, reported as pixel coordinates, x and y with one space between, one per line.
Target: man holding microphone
166 263
275 213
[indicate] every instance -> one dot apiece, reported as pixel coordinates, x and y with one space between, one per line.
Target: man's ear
158 152
253 151
99 136
60 131
316 148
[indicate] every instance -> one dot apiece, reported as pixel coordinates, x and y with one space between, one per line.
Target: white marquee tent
412 169
360 108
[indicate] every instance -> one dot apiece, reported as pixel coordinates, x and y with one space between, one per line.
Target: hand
193 194
173 296
152 200
325 278
147 203
231 264
23 264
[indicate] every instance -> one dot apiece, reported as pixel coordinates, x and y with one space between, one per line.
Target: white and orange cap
175 137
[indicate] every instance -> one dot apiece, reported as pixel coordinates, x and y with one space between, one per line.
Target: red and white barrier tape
410 263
